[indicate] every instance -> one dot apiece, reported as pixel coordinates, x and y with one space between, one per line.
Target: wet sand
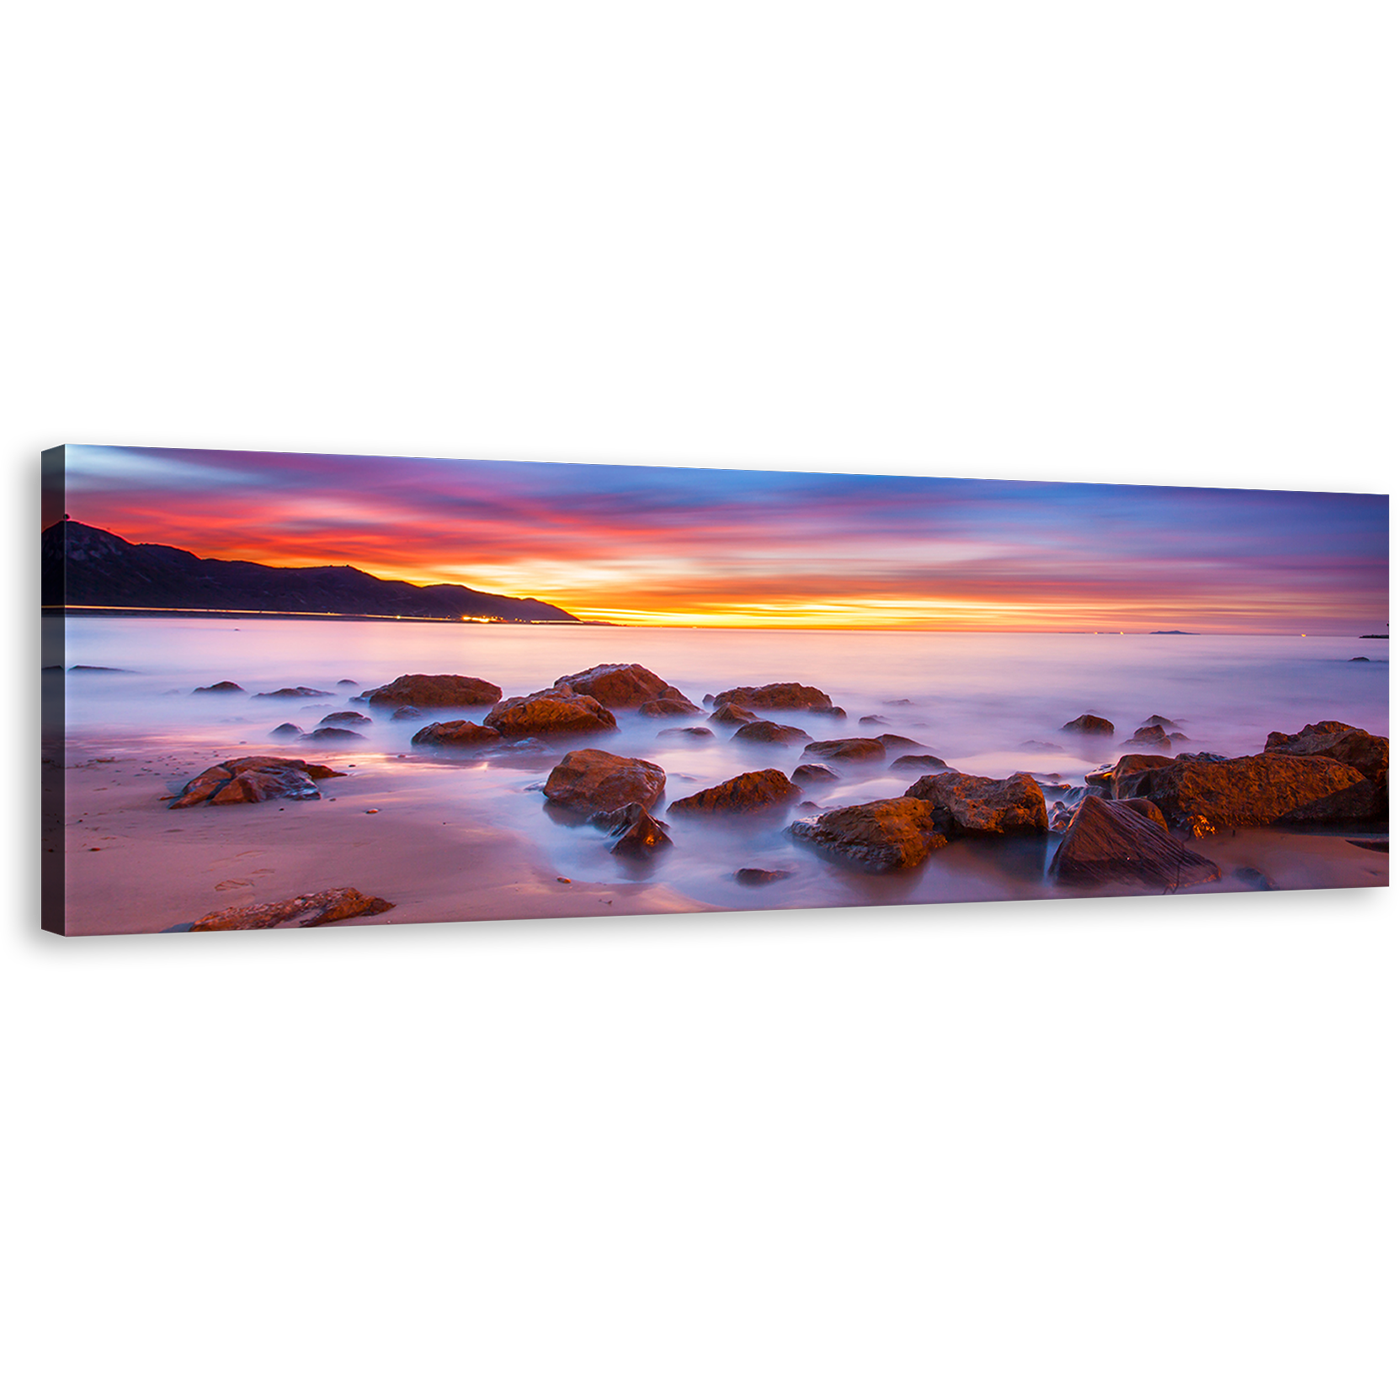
133 866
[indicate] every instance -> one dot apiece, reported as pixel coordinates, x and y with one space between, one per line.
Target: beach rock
1150 737
963 804
457 733
557 710
254 778
1203 757
1088 724
594 781
347 717
658 709
1363 803
806 773
1162 721
733 714
752 875
765 731
1116 779
1381 843
873 719
434 692
1040 746
342 684
916 762
779 695
749 792
285 731
1115 843
1150 810
292 692
638 832
626 686
831 711
1354 658
329 734
897 741
894 833
222 688
847 750
1244 792
304 911
691 731
407 712
1369 754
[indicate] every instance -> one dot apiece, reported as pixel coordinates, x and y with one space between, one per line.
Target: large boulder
965 805
590 780
807 773
253 778
780 695
1121 843
732 714
558 710
765 731
625 686
1243 792
435 692
895 833
749 792
1088 724
304 911
1369 754
847 750
457 733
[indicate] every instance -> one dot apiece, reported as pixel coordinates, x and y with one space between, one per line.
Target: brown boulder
347 717
1236 792
292 692
666 706
732 714
626 686
1118 779
557 710
765 731
922 762
255 778
594 781
1087 724
966 805
304 911
895 833
691 731
753 875
749 792
1119 843
1151 736
435 692
898 741
457 732
329 734
848 750
780 695
220 688
1369 754
806 773
638 832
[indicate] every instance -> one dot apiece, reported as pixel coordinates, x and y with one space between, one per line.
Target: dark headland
85 567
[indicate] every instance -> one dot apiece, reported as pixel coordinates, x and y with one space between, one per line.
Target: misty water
979 701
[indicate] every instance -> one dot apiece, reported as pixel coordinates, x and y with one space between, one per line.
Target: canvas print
286 690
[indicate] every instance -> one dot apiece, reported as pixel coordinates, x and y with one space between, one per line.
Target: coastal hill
88 567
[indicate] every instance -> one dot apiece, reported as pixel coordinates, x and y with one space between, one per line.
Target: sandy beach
406 832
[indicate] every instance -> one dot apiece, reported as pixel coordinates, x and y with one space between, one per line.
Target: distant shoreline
59 610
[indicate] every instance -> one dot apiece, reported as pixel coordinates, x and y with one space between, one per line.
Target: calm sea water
975 700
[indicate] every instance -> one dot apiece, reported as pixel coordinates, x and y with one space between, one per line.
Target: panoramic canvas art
285 690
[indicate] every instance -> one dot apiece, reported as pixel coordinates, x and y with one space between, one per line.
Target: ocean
987 703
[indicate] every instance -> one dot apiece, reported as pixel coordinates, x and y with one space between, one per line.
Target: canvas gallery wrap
287 690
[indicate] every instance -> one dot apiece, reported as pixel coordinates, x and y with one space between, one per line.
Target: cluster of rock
302 911
256 778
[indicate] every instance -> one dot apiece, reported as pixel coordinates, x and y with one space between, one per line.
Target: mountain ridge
84 566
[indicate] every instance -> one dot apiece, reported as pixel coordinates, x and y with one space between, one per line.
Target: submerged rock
847 750
292 692
917 762
638 832
732 714
963 804
1114 779
1117 843
221 688
1088 724
806 773
285 731
347 717
626 686
304 911
1151 736
895 833
691 731
873 719
666 706
435 692
557 710
749 792
595 781
765 731
407 712
779 695
1255 879
457 733
897 741
329 734
752 875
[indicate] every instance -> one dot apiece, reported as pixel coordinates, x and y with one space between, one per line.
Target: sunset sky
686 546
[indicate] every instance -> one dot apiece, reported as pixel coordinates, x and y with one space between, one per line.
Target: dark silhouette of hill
88 567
